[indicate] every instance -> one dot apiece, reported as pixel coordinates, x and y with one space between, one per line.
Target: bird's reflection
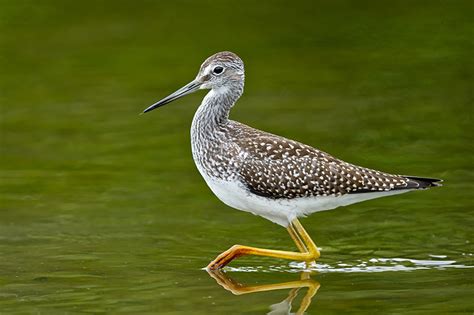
283 307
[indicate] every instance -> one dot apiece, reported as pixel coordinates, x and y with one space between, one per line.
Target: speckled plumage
253 164
276 167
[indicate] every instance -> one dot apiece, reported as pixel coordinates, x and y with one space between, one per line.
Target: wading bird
277 178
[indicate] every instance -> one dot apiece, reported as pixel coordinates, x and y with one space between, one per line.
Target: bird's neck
214 109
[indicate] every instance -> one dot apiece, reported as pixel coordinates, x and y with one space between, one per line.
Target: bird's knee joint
315 254
311 255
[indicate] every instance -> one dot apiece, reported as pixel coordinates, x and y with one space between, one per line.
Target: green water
103 211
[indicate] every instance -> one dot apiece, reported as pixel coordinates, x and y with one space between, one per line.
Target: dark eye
218 70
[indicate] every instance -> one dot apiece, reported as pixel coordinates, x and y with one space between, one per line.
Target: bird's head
219 72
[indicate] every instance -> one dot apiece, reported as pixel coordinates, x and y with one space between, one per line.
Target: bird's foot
226 257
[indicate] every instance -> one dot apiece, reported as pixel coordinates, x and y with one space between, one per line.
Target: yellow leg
296 238
299 243
309 251
312 248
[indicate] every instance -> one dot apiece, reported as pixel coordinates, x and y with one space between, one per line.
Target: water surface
103 211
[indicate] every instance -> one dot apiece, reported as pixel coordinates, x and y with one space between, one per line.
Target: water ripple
371 265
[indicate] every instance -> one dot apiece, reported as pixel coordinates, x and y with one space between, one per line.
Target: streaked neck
215 107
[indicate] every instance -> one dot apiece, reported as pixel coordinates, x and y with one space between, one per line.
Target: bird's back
275 167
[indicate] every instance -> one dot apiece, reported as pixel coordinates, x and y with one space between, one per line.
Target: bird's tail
423 182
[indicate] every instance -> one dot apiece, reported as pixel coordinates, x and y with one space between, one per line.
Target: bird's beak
187 89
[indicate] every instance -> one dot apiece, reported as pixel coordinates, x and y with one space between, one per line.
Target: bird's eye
218 70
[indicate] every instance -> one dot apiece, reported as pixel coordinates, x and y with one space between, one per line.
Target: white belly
282 211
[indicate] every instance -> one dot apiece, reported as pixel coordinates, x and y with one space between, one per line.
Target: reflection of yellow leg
312 290
309 251
238 289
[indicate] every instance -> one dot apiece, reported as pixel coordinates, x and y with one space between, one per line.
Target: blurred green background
103 211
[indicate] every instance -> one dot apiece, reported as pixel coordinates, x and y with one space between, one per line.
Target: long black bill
187 89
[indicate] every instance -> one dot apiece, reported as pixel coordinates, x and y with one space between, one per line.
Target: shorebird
276 178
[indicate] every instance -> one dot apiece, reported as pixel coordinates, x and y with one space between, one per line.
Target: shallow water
103 211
